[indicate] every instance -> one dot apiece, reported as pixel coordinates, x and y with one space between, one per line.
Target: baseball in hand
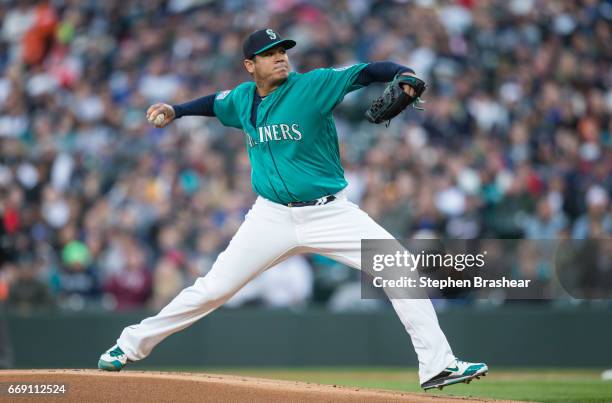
159 119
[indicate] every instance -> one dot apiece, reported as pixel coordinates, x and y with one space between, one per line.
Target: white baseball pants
270 233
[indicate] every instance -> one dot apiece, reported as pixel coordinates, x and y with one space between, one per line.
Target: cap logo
271 34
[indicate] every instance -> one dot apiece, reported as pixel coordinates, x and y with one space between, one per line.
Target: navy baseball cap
262 40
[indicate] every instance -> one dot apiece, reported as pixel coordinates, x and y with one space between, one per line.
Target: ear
249 65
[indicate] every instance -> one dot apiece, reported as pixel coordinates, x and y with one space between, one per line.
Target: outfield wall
510 336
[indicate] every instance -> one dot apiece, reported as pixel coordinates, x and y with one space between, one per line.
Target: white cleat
114 359
459 371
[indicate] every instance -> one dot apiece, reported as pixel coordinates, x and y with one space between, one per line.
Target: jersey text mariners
294 147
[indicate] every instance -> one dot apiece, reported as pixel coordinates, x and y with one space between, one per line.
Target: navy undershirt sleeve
380 72
198 107
376 72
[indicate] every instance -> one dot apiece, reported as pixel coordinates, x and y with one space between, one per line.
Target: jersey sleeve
225 109
333 84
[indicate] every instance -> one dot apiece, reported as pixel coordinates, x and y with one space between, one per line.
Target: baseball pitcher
302 205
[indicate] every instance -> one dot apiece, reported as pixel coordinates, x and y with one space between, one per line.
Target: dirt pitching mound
151 387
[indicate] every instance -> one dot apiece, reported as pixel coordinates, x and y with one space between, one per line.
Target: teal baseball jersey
293 148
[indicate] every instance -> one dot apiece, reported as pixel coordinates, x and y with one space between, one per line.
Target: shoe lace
116 352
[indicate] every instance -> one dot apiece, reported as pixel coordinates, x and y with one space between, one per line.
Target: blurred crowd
98 208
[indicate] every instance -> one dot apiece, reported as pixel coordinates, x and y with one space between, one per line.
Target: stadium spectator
130 287
517 125
27 292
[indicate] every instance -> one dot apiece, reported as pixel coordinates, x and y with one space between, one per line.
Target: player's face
271 66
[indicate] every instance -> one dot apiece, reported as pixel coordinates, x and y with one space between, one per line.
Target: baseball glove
394 100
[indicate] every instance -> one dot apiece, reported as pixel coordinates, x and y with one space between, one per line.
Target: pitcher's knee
213 290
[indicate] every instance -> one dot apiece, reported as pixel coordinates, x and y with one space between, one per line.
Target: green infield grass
542 385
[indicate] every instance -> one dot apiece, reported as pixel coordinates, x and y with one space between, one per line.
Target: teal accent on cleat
114 359
459 371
